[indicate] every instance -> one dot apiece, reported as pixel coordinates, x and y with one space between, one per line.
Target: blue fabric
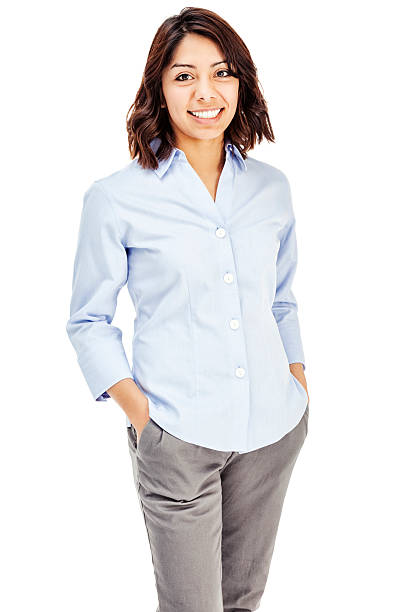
216 321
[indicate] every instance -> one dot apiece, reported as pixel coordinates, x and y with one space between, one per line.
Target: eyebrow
224 61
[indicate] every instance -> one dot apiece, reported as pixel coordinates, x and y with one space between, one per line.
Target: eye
183 74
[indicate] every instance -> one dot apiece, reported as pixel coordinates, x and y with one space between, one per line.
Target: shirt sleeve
100 271
285 307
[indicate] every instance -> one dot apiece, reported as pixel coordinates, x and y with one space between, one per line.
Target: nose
205 90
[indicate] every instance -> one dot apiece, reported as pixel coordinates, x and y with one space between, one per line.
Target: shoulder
121 181
272 182
266 172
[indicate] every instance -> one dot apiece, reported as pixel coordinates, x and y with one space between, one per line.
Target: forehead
196 50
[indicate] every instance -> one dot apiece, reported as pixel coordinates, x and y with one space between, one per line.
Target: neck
206 156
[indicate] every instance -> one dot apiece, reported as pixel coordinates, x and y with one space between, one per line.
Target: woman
216 401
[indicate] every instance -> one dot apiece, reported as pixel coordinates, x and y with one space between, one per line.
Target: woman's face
204 83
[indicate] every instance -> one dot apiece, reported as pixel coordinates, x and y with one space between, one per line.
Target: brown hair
146 119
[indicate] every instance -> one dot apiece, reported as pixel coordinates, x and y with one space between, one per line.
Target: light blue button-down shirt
216 321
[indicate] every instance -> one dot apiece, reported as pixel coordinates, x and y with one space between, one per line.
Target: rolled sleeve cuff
292 343
102 369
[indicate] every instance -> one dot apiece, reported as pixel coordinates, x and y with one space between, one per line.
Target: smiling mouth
203 111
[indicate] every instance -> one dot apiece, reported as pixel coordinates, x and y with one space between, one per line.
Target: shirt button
240 372
228 277
234 323
220 232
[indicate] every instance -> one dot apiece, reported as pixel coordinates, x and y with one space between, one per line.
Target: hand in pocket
140 429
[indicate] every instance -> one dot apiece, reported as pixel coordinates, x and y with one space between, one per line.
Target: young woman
216 401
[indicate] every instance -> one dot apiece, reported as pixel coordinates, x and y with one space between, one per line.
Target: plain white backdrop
334 76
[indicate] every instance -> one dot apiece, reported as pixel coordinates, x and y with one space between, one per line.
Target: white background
334 76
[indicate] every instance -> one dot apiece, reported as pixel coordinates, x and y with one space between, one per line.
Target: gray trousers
211 516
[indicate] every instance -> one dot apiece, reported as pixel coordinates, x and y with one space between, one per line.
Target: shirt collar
164 164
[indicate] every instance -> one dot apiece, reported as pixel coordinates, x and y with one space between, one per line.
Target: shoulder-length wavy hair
146 119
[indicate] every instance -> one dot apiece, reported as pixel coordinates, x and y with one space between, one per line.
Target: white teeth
206 114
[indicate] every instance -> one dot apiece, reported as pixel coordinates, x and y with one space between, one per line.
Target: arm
285 308
100 272
297 370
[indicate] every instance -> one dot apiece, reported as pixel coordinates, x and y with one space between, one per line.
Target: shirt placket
228 291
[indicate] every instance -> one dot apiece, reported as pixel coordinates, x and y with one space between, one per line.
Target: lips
206 110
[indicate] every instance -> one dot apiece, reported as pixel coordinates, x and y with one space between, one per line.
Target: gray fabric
211 516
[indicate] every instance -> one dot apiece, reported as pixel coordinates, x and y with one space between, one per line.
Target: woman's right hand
133 401
140 427
140 417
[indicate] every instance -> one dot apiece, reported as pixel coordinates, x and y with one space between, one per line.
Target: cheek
181 104
176 100
230 94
